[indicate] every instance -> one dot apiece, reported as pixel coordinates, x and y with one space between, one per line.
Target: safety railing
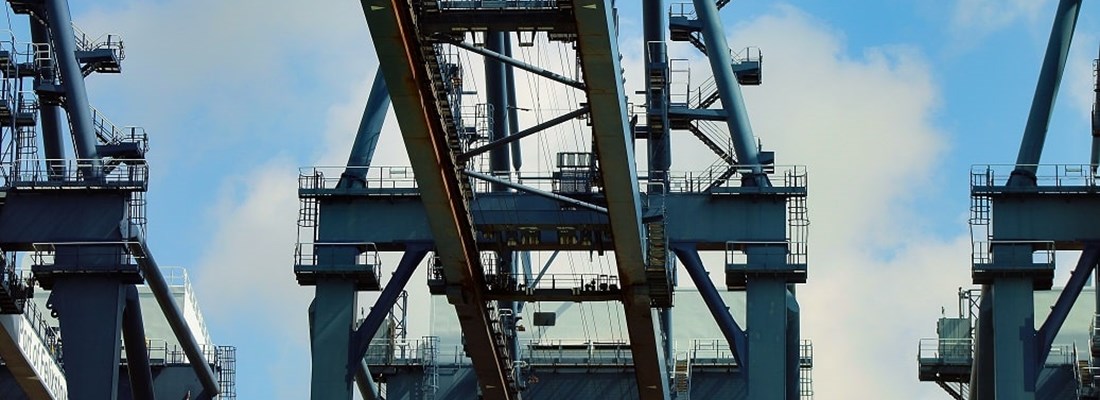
83 253
946 351
682 10
395 351
794 252
68 173
1048 177
497 4
711 352
162 352
679 83
402 177
1061 355
109 133
46 332
574 352
576 282
108 41
748 54
312 254
42 55
781 176
1043 251
380 177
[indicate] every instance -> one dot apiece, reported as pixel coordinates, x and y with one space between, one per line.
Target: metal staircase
657 274
681 376
708 138
14 290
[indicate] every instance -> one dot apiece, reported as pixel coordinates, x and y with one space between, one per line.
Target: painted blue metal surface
729 89
1046 91
379 312
331 316
513 108
1015 352
397 40
76 95
496 56
766 318
516 135
496 88
53 138
366 138
137 352
89 310
1079 277
689 218
597 46
154 279
735 336
659 141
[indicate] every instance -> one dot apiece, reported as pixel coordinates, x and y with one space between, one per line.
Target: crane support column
76 95
332 315
729 90
1046 90
89 312
766 317
513 108
137 352
53 138
1014 346
496 87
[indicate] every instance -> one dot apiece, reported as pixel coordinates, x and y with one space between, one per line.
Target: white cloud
863 125
982 17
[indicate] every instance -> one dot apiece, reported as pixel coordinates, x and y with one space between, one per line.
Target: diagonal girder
396 40
597 46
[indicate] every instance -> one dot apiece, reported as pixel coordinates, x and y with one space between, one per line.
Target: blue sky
888 102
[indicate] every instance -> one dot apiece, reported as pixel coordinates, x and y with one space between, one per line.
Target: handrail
1046 175
68 173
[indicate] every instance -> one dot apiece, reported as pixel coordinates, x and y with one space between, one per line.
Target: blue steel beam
1058 313
513 118
526 189
1095 156
137 353
729 90
496 88
519 64
735 336
154 279
597 46
76 95
516 135
381 309
366 139
52 136
394 32
1046 90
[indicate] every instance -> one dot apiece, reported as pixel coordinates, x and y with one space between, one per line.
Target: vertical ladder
430 383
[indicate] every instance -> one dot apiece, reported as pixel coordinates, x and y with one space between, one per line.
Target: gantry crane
476 220
80 217
1021 215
